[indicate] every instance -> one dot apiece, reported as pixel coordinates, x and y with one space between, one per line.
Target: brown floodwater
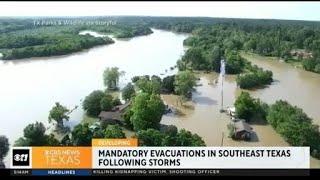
205 119
202 115
297 86
30 87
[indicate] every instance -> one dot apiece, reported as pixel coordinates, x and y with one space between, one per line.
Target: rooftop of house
105 115
242 126
122 107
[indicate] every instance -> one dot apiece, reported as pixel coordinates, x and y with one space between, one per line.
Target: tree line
48 40
26 46
277 38
205 53
211 36
289 121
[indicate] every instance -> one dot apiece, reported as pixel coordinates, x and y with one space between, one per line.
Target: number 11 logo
21 157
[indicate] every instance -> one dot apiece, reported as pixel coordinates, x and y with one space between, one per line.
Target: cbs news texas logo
51 157
21 157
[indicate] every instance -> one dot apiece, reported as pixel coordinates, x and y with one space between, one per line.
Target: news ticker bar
101 157
160 172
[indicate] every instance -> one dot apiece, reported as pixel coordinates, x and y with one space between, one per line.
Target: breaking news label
125 157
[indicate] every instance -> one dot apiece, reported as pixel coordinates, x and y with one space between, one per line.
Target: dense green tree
34 135
150 137
114 131
148 86
234 63
128 92
168 83
59 113
186 138
111 77
195 59
295 126
249 108
147 111
184 83
106 103
256 78
309 64
127 118
135 79
169 137
81 135
215 56
92 103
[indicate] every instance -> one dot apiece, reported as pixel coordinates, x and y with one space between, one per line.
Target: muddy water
202 116
30 87
297 86
205 119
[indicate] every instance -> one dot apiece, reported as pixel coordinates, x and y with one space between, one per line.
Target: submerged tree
92 103
111 77
128 92
184 83
147 110
59 113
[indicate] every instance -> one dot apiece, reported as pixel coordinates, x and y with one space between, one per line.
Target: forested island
25 39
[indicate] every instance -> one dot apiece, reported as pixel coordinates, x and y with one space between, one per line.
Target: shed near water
110 117
242 130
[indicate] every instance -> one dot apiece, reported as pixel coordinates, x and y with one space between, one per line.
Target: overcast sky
264 10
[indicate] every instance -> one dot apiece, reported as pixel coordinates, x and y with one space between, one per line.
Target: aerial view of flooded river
30 87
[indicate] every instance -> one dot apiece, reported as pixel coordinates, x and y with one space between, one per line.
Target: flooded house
110 117
115 115
301 53
242 130
121 108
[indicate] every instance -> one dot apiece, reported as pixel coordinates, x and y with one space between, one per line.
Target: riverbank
297 86
61 40
68 79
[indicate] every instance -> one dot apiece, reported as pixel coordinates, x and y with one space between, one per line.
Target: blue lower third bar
61 172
